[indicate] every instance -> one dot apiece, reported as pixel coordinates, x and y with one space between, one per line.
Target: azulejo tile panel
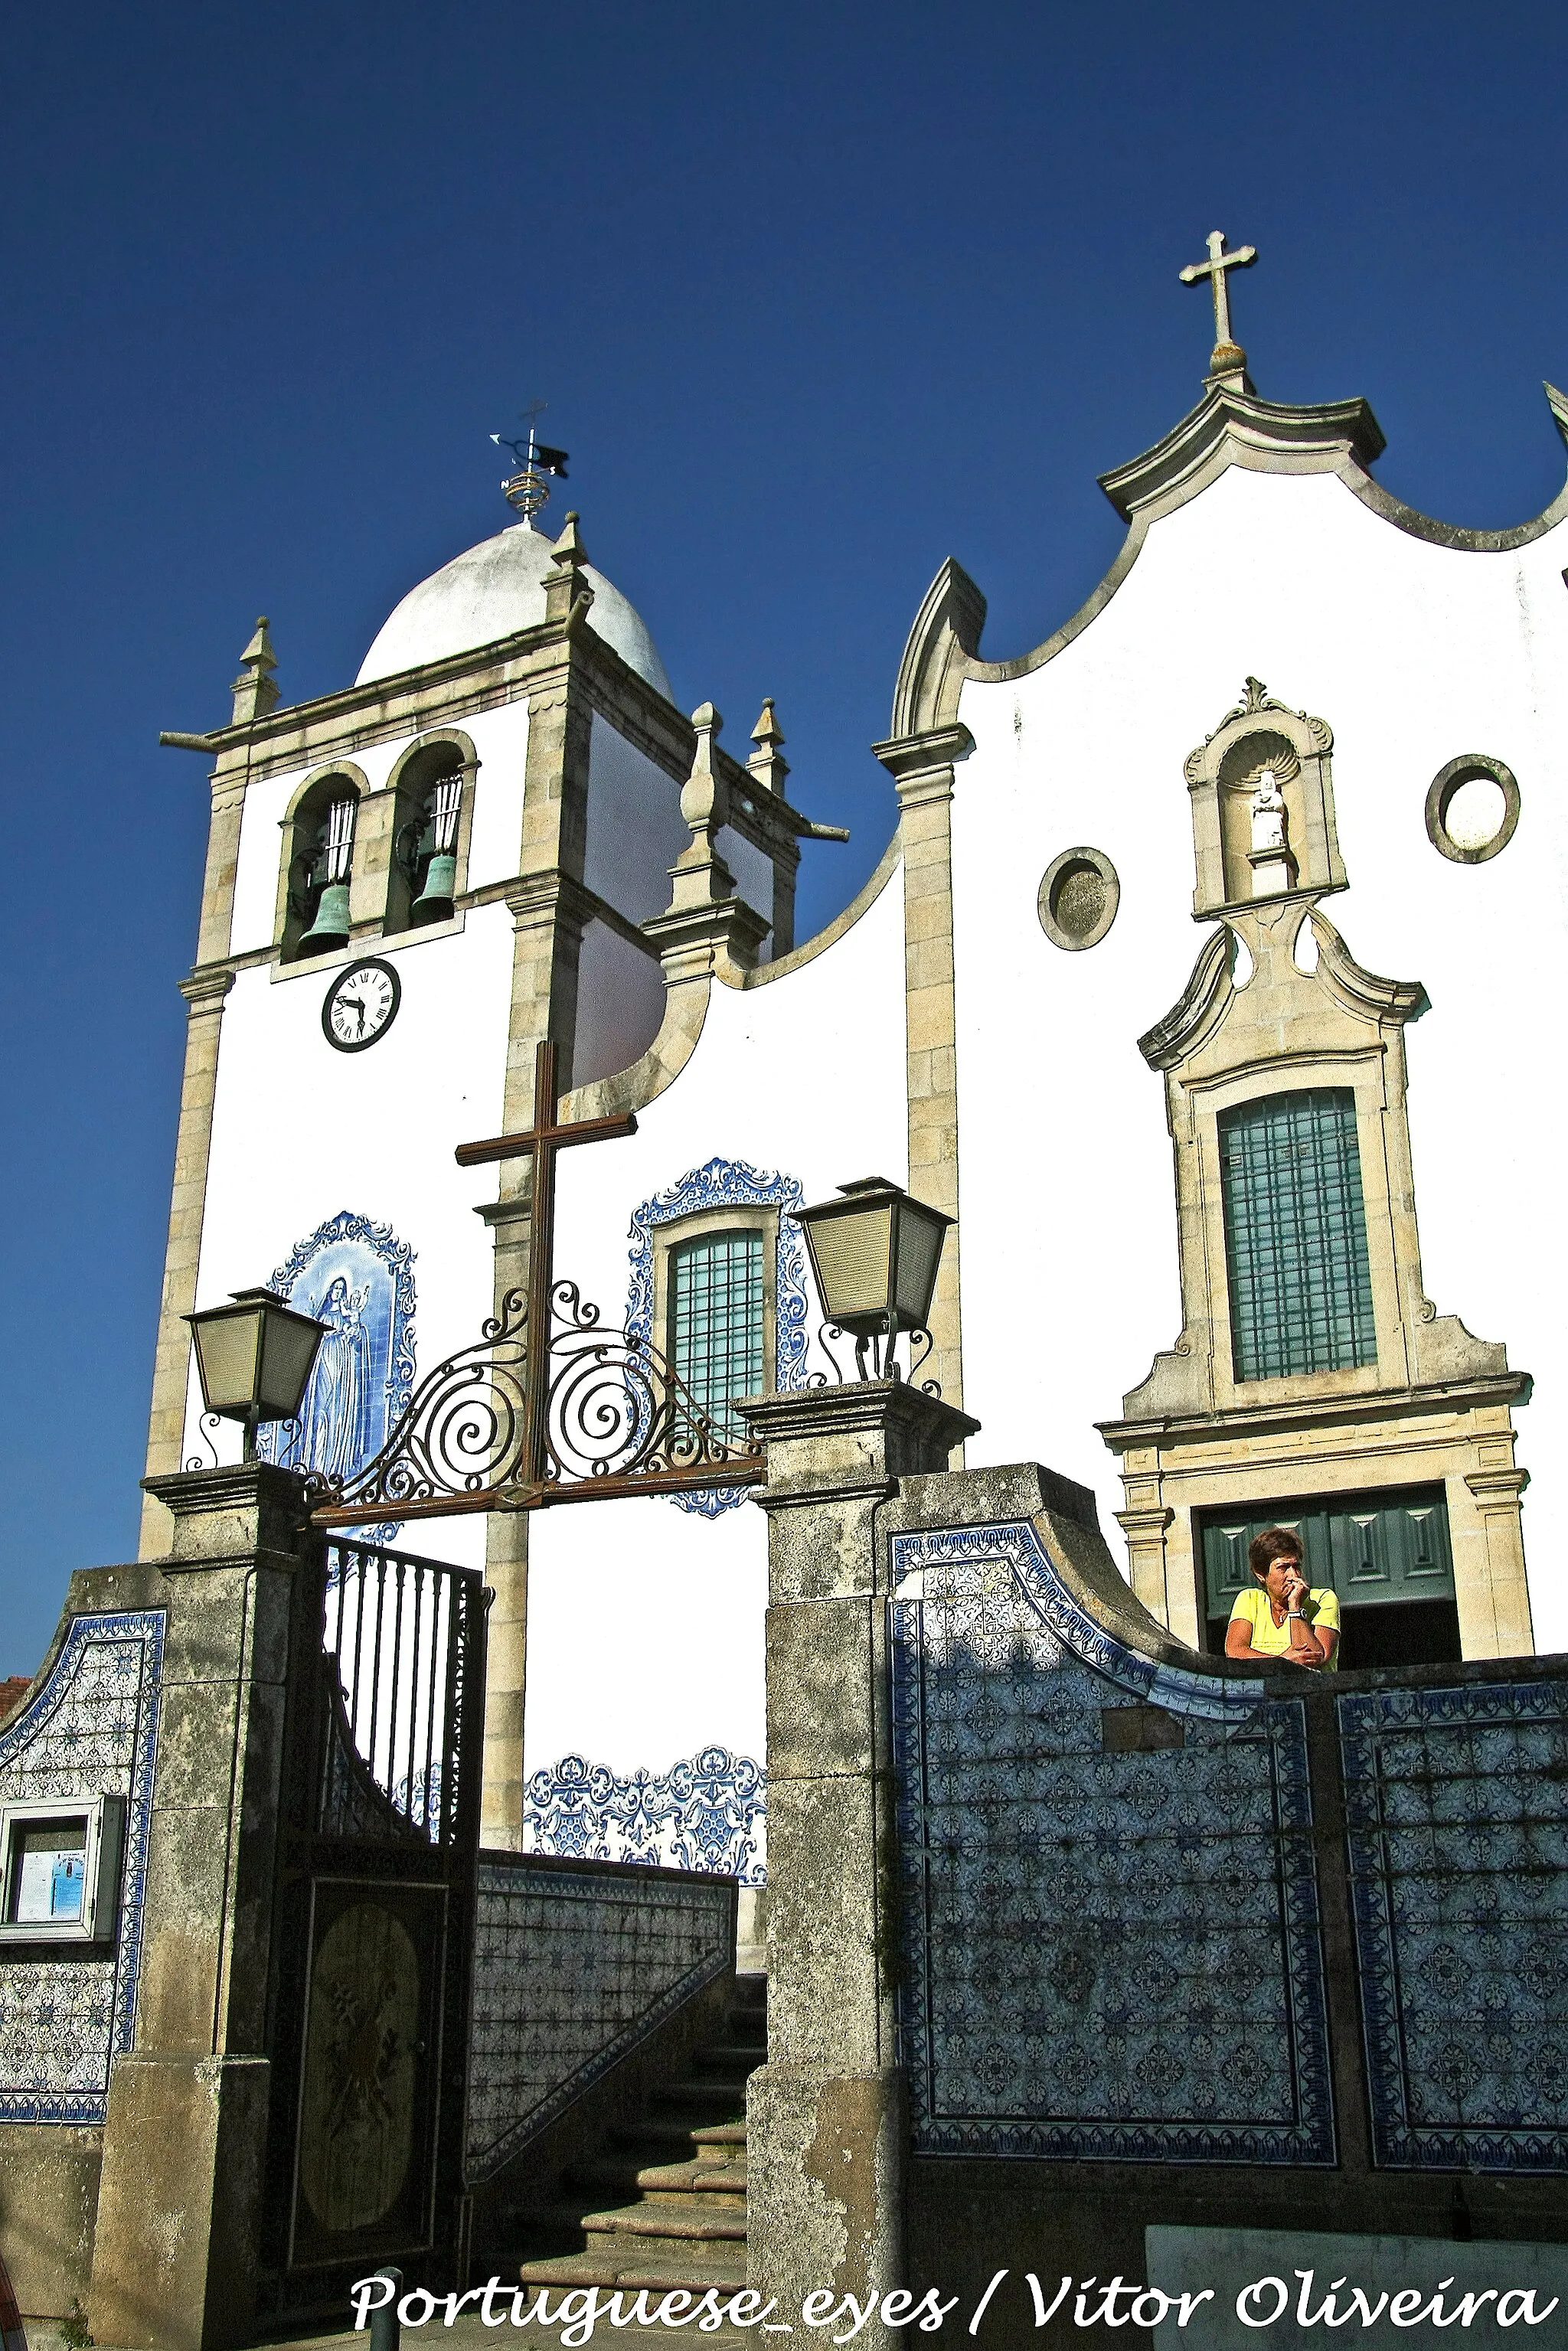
1456 1815
1108 1955
570 1970
92 1730
728 1183
706 1813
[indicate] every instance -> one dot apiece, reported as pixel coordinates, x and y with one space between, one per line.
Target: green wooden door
1372 1548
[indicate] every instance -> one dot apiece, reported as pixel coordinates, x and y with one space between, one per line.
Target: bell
434 903
331 927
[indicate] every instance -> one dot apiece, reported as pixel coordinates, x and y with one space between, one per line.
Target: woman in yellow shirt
1282 1615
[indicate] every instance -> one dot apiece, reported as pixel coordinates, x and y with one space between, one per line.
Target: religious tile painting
91 1730
1458 1831
706 1812
357 1277
1109 1907
572 1969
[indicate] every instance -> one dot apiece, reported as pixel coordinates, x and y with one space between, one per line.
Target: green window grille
1295 1236
715 1320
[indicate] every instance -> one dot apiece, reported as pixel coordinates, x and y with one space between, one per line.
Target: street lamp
874 1252
255 1357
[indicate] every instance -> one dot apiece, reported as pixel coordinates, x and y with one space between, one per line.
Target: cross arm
518 1146
1243 258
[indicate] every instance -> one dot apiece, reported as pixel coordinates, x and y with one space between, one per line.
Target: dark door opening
1386 1554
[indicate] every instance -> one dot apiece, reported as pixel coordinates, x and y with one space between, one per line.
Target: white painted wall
635 830
753 871
620 1004
644 1620
300 1130
1412 653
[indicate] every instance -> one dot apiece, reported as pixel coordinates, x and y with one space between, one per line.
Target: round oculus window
1078 898
1472 808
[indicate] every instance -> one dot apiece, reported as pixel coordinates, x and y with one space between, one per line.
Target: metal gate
369 2005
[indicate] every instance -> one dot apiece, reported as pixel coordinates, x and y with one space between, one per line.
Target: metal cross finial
1227 353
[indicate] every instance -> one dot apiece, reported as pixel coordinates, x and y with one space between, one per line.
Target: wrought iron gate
368 2013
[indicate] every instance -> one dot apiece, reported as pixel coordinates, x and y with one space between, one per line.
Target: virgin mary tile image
357 1278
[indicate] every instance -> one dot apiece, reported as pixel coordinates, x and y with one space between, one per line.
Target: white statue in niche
1273 866
1268 818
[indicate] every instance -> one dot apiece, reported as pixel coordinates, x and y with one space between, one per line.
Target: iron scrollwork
614 1416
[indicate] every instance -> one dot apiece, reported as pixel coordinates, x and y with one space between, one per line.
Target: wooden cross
541 1140
1213 269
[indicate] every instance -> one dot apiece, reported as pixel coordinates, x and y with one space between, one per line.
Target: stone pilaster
827 2115
205 992
922 767
174 2261
1494 1621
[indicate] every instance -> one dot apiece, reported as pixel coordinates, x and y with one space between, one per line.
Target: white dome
493 590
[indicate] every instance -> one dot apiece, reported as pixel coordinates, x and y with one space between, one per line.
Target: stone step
689 2175
720 2101
651 2131
690 2219
634 2267
731 2057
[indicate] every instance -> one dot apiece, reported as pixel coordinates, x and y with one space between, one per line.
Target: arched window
320 868
716 1320
427 826
1295 1236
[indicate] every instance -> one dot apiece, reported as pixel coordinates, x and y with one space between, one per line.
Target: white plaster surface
620 1004
644 1620
753 871
1412 653
635 830
300 1132
491 590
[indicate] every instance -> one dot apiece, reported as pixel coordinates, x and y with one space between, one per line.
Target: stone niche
1223 776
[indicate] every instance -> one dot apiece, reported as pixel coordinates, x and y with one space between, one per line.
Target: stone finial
253 690
766 763
566 588
704 800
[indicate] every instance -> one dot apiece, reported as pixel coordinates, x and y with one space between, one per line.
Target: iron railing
403 1642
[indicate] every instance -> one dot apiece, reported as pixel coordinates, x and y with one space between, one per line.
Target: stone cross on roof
1227 356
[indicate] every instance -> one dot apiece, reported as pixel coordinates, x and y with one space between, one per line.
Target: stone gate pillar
179 2210
828 2132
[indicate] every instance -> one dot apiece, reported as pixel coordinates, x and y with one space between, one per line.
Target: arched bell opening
320 868
429 840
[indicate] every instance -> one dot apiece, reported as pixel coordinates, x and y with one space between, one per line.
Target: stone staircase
663 2203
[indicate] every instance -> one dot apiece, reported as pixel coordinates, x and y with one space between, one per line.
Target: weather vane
528 488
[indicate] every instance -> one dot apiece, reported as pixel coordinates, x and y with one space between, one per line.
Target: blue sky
818 295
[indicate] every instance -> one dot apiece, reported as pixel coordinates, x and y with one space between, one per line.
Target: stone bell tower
410 883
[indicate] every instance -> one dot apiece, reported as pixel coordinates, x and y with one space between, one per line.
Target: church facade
1208 982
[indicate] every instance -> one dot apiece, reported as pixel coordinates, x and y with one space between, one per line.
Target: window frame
103 1819
704 1224
287 929
1357 1265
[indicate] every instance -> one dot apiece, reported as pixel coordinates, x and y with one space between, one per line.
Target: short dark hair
1274 1542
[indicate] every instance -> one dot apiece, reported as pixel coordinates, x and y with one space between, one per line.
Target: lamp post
874 1253
253 1357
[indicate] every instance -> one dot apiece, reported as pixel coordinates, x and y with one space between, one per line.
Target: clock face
361 1005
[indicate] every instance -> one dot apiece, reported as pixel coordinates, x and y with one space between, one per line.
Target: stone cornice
205 988
1306 1412
921 764
1285 438
1196 1010
1228 427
